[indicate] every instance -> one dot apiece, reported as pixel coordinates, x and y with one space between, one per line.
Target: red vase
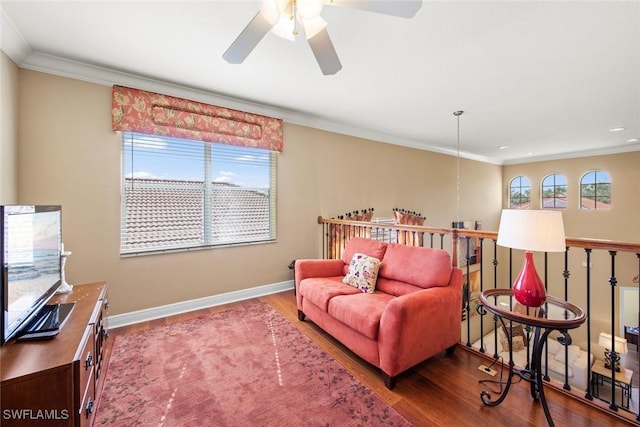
528 289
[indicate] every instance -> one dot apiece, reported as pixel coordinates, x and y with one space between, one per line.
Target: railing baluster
614 356
467 291
565 275
495 286
589 394
638 320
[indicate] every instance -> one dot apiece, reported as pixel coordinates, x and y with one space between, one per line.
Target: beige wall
70 156
8 130
620 223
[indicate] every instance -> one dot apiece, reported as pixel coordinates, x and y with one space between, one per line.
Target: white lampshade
532 230
604 341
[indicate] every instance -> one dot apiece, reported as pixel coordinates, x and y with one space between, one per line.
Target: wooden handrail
610 245
586 243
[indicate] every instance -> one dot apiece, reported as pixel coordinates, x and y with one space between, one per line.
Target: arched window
520 193
554 192
595 191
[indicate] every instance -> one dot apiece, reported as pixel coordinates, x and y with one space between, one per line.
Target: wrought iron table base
532 374
554 315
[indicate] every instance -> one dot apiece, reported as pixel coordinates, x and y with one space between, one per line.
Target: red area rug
247 366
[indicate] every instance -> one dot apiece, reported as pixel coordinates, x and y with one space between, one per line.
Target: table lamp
610 357
531 230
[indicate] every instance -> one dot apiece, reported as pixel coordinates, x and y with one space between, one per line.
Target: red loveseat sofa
413 314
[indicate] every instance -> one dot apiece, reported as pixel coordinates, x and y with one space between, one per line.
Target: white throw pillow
363 272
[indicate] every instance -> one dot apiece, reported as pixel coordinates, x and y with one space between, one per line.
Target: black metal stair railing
580 290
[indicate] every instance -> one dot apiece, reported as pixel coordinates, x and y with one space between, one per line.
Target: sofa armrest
318 268
305 268
418 325
580 371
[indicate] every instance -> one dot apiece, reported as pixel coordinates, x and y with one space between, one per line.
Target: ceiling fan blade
400 8
248 39
325 53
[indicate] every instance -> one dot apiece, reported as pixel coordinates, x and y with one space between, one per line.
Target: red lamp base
528 289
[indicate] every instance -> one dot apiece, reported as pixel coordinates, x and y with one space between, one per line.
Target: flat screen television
31 243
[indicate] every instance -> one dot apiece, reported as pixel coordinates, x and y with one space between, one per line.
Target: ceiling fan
287 17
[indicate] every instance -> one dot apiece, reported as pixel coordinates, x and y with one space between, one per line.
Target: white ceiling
547 79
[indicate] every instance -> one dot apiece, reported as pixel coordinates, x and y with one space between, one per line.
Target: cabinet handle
89 408
105 333
88 361
106 304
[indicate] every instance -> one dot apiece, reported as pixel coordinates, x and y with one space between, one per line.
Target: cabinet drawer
87 361
87 408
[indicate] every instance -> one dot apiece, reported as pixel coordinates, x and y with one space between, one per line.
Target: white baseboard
133 317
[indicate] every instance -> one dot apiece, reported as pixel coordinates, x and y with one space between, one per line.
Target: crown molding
576 154
17 48
63 67
12 42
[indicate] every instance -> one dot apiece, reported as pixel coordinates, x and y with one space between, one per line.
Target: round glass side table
553 315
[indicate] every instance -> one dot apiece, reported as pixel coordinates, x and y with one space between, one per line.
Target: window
180 194
595 191
554 192
520 193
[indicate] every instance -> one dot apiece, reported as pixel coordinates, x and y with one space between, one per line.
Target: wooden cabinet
58 382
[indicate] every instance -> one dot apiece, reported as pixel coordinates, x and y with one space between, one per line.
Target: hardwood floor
442 391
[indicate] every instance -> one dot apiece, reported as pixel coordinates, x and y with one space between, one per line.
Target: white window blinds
181 194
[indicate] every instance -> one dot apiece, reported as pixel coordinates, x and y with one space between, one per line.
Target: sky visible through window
156 157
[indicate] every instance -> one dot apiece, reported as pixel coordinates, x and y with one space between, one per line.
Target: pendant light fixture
458 114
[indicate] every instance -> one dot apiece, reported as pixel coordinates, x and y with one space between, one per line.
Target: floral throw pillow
363 272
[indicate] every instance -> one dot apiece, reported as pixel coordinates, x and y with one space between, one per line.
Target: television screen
31 248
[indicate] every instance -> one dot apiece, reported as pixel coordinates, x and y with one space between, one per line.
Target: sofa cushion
395 287
424 267
554 346
369 247
361 312
319 290
363 272
558 367
573 354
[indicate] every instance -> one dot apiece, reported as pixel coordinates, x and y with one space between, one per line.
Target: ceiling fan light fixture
309 9
313 26
283 14
270 9
285 28
286 17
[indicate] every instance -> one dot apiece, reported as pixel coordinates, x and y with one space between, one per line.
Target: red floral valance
135 110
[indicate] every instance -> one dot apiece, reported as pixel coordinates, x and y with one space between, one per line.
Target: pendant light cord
458 114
